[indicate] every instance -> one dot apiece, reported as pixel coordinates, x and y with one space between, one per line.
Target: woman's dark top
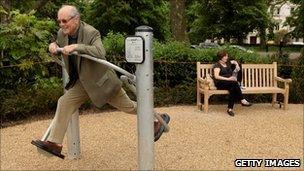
224 71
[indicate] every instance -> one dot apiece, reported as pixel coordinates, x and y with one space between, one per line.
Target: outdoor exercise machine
138 50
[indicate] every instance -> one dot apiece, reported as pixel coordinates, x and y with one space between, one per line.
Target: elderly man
87 79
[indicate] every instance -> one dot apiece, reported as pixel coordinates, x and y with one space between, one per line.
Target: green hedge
180 52
296 89
25 100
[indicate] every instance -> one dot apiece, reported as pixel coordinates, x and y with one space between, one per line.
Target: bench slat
271 77
267 77
264 81
244 72
256 77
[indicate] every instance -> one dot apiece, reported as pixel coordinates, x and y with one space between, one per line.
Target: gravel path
196 141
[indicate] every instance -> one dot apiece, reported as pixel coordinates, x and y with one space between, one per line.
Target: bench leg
206 101
286 94
199 100
274 99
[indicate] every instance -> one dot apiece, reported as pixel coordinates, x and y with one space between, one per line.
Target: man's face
67 23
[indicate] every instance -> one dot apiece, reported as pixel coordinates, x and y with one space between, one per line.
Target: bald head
68 19
69 10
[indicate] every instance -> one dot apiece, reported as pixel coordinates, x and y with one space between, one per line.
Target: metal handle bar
104 62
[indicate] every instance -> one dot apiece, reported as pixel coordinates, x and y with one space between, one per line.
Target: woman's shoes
246 104
230 112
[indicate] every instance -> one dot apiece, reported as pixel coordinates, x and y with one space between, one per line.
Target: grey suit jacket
99 81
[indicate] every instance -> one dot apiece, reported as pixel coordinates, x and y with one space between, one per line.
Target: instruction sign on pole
134 49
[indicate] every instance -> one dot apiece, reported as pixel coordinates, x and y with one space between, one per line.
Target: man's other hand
68 49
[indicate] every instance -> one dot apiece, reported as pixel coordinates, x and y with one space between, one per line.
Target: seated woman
225 78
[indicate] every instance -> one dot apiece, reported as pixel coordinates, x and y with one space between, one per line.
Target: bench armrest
283 80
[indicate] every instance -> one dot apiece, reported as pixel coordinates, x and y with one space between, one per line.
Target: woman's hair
220 54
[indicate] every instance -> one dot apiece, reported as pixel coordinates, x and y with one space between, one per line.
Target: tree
178 20
43 8
298 80
5 8
227 19
272 5
296 20
24 39
124 16
29 5
202 24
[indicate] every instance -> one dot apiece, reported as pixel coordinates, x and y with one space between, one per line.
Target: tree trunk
7 5
263 38
226 39
240 40
178 20
40 4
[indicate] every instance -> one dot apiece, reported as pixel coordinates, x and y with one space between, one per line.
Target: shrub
115 46
296 91
26 100
245 57
284 64
24 40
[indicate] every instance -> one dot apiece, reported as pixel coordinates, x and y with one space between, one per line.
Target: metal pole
145 105
73 138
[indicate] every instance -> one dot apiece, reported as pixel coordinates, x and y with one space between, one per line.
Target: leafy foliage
124 16
176 51
25 39
297 93
23 43
115 46
180 52
296 20
216 19
45 8
24 100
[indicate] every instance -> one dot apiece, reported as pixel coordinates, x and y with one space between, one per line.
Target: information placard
134 49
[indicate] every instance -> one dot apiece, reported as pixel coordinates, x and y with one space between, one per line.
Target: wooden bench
256 79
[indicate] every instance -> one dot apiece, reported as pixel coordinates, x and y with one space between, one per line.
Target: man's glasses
64 21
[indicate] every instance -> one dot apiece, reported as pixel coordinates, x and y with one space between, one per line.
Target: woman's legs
235 92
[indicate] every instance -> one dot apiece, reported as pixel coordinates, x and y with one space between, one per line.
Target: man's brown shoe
49 147
159 128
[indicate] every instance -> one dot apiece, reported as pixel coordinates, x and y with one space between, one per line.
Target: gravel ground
196 141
